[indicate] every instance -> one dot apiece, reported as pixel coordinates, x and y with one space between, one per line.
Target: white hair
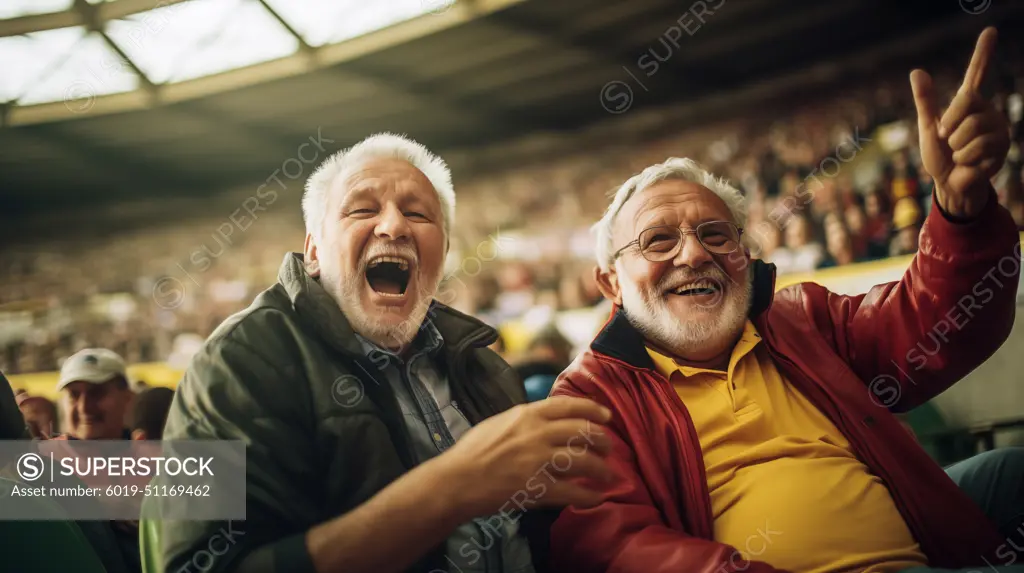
380 145
673 168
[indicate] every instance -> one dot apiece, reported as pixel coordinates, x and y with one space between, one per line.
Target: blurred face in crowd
96 411
797 232
907 237
767 236
873 204
855 219
693 305
838 243
831 221
383 249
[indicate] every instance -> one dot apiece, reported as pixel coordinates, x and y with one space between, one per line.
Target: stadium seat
149 546
538 387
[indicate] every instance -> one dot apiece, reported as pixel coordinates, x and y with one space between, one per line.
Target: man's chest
752 412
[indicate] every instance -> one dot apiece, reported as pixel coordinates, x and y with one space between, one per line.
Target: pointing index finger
983 51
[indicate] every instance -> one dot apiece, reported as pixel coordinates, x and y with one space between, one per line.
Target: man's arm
953 308
231 393
394 528
625 532
955 305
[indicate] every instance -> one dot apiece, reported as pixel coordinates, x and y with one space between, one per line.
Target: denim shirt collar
427 341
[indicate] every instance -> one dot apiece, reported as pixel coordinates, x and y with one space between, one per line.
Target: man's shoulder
267 331
797 300
587 376
270 317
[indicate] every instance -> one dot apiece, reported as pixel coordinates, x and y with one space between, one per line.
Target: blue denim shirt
435 424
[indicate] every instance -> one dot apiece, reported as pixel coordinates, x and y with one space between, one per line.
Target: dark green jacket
323 431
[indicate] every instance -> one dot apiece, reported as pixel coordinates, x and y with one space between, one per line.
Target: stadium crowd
835 182
832 181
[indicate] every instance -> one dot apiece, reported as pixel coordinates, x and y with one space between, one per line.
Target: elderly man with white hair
754 430
382 433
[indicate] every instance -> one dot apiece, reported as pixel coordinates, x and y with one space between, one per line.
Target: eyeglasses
663 242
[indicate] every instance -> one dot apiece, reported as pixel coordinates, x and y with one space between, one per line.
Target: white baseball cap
94 365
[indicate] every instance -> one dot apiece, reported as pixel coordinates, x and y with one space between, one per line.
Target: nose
87 405
392 225
691 253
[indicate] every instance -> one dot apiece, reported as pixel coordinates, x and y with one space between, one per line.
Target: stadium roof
122 99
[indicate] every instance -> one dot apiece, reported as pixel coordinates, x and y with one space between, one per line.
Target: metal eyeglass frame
682 237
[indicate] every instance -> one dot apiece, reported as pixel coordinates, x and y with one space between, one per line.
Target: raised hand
963 148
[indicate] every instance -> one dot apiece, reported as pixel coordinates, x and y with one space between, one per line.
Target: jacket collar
319 310
620 340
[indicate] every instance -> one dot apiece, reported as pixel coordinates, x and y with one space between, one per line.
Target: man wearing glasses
754 430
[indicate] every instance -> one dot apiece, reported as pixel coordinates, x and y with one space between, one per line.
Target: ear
608 284
309 257
139 435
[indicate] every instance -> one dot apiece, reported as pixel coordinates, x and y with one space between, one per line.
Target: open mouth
388 276
698 288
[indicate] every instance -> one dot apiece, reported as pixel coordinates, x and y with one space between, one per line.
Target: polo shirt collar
667 366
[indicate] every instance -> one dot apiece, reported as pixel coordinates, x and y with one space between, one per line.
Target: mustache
681 275
389 250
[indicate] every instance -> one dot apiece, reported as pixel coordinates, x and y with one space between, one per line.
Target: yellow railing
45 383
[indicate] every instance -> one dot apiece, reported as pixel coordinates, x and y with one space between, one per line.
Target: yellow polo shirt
785 487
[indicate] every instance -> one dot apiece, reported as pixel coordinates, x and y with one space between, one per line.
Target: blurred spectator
547 354
839 245
40 414
800 254
149 413
12 423
516 295
140 294
94 387
906 219
766 238
856 224
878 227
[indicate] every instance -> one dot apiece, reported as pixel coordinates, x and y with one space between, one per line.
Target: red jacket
856 358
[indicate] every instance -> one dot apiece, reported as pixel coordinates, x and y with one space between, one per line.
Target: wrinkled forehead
380 175
671 202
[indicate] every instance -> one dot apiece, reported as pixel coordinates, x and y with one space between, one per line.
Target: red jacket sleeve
626 533
954 307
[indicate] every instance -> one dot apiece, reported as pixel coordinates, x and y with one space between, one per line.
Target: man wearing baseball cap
96 396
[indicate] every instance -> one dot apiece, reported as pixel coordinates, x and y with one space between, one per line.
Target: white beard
649 313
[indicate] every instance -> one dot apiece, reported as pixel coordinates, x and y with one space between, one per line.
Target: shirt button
437 437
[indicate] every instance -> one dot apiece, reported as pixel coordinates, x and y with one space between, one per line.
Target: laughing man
382 433
754 431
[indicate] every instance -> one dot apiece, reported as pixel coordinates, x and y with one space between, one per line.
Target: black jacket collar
620 340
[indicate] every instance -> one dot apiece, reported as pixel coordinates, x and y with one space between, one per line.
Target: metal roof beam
74 17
